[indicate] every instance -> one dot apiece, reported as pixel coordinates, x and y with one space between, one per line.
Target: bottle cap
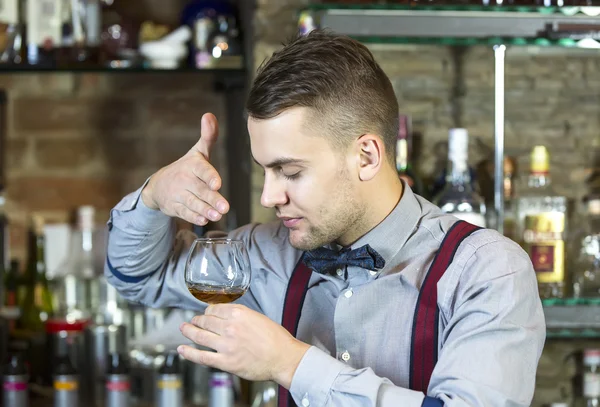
15 365
117 363
63 366
171 364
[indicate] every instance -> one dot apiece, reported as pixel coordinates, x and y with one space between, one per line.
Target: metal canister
118 384
66 384
221 390
169 386
14 383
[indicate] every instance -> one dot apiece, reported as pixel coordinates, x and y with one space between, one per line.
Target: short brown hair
338 78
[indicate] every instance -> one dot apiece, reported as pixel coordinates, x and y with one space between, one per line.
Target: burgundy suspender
424 345
292 308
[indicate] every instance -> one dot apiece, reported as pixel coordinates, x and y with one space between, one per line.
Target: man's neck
387 199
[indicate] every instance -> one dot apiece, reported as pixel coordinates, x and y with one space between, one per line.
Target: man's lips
290 222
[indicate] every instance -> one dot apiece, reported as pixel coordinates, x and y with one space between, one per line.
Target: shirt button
345 356
348 293
339 272
305 402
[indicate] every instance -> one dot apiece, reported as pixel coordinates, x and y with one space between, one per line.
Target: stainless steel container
100 341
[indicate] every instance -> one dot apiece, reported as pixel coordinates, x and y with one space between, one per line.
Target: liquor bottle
75 284
205 18
510 213
37 304
11 20
591 378
169 391
38 299
404 153
66 383
458 197
14 382
586 265
542 226
44 32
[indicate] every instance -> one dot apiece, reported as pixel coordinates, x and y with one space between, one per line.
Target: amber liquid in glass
215 295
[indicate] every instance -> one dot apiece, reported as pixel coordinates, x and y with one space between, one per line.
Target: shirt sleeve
146 256
492 338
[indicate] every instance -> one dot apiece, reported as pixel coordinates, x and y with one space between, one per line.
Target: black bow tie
323 260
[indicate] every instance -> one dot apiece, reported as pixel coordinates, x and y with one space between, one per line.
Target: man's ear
370 156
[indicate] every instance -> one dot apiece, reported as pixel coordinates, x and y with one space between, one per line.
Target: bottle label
118 386
65 385
15 386
9 11
591 385
169 384
543 241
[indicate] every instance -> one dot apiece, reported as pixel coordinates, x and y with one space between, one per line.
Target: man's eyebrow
281 161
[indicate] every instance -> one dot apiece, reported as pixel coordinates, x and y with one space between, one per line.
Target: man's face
312 187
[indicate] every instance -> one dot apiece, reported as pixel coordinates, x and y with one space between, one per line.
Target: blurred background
499 118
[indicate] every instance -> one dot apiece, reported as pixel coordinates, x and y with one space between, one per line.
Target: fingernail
180 349
221 206
181 326
213 183
214 215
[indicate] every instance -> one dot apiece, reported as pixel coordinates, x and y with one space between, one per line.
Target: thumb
209 133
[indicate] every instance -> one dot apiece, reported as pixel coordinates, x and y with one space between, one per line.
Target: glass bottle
37 304
591 378
510 213
404 154
586 267
542 226
12 21
205 18
73 283
44 31
458 197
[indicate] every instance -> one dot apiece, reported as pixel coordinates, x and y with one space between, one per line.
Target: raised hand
188 188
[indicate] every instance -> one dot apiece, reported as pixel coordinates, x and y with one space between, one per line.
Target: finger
209 133
224 311
201 357
202 197
209 323
200 336
208 174
197 205
187 214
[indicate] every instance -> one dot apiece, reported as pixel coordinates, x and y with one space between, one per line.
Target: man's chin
299 240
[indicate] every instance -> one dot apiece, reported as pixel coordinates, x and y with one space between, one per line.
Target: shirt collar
389 236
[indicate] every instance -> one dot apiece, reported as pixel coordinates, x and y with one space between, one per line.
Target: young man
408 308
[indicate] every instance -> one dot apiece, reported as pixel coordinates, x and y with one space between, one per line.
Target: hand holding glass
217 271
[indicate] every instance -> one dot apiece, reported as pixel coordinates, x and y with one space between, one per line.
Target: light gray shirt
359 322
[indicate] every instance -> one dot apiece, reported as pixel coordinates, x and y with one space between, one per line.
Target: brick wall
551 98
79 139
